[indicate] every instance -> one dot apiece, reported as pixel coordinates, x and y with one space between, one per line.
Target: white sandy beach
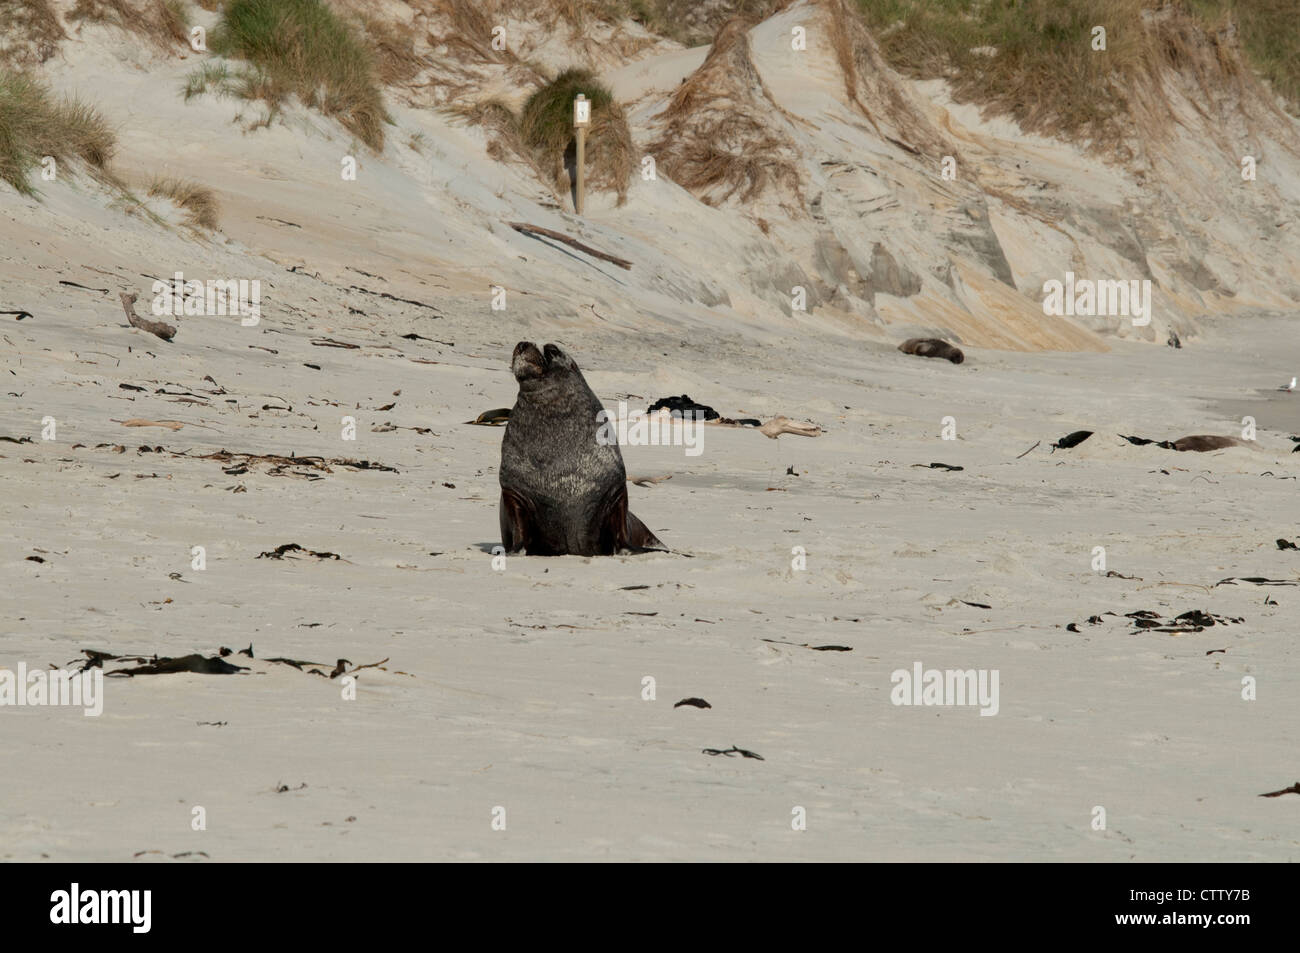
522 687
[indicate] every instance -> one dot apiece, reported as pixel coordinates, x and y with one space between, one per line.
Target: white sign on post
581 111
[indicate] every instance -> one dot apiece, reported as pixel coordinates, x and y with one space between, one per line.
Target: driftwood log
573 242
160 328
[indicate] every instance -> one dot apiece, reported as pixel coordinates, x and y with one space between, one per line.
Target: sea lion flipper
619 532
517 529
639 537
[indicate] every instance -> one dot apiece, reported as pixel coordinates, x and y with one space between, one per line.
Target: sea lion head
530 364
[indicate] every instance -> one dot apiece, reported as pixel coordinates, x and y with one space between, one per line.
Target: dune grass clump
721 133
302 48
546 128
690 22
1030 59
164 23
32 31
502 128
1269 36
199 202
392 46
34 124
546 121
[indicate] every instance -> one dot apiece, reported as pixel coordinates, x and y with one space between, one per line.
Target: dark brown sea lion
563 486
1203 442
932 347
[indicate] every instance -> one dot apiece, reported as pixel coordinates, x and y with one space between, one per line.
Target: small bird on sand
1288 387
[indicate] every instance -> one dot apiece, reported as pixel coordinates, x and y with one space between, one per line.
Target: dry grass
301 48
546 129
199 202
871 90
164 23
1271 38
610 152
392 47
471 33
31 34
34 124
502 127
1032 60
721 136
692 23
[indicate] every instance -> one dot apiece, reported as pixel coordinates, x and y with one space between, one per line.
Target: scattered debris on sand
199 664
732 751
1071 440
1148 620
815 648
682 406
292 549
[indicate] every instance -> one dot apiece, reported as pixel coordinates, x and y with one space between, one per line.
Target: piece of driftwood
141 422
159 328
561 237
779 425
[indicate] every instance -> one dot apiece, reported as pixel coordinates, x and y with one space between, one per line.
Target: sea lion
1203 442
491 418
563 490
932 347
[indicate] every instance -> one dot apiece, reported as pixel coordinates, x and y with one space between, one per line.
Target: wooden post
582 161
581 119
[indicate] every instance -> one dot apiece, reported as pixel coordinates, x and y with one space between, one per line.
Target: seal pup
932 347
563 490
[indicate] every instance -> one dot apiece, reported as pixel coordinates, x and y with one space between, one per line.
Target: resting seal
562 491
1200 443
932 347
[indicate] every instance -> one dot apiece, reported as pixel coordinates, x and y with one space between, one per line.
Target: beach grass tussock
32 32
690 22
1029 60
300 48
164 23
502 128
722 132
392 46
546 129
34 124
872 92
199 202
